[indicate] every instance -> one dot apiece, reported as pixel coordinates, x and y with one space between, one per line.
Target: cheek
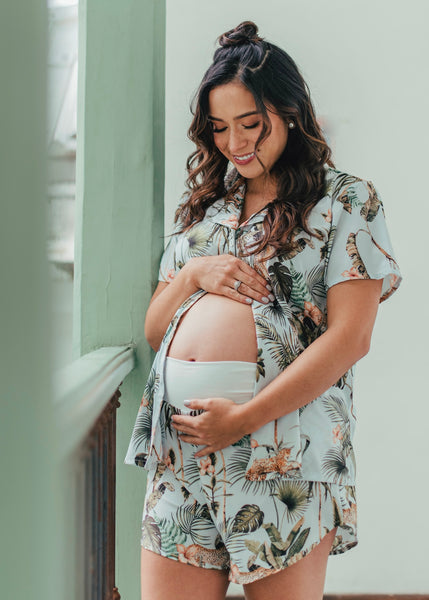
220 145
281 144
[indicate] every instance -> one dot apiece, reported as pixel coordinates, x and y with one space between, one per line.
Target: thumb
195 403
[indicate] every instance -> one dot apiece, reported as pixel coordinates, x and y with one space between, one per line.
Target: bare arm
166 299
352 309
215 274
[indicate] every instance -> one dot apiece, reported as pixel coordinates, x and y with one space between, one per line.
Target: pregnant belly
215 328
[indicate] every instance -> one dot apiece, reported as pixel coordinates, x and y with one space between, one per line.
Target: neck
265 189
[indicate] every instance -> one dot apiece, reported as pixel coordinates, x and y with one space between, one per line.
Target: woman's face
236 126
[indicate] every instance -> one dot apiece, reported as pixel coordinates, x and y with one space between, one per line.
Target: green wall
119 216
29 550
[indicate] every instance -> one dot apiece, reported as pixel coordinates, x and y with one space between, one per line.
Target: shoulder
338 182
351 194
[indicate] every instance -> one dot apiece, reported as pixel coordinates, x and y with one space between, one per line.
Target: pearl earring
291 124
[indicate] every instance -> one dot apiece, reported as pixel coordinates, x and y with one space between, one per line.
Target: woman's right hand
217 274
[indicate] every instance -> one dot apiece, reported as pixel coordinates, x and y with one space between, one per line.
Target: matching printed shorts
207 515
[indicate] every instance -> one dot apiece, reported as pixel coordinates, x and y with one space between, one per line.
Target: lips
244 159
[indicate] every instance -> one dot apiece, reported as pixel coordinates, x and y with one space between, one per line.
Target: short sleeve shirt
314 442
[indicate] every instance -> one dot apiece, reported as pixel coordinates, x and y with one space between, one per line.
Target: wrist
252 416
188 276
247 418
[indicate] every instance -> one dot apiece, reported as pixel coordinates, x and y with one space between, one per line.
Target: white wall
366 65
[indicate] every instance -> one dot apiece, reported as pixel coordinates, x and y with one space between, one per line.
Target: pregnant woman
267 296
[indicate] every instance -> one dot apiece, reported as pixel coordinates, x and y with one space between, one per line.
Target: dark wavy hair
273 78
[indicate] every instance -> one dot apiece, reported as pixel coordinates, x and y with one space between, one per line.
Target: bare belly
215 328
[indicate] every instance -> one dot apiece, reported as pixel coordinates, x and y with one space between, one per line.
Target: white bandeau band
186 379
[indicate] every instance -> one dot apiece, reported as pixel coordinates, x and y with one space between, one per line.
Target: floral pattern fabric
314 442
206 514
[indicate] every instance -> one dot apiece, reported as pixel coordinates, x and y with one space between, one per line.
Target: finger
240 269
184 428
195 404
254 275
191 439
204 452
249 276
186 419
247 291
230 292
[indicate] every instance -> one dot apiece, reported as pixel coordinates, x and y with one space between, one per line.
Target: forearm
162 307
316 369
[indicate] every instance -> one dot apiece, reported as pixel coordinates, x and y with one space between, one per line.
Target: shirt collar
227 211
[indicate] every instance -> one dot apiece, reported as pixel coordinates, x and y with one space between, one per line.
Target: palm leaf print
277 543
298 246
142 429
334 465
219 237
260 366
315 282
266 486
151 535
353 252
327 489
370 209
345 180
166 413
170 536
282 280
336 409
248 519
243 442
349 199
233 540
283 350
294 495
195 522
197 240
299 293
278 311
192 472
151 386
237 465
326 249
298 544
337 512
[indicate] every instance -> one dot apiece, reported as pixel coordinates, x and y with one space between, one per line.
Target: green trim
82 389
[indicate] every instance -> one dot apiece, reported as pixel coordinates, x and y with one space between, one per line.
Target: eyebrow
254 112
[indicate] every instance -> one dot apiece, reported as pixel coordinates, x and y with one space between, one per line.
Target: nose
237 141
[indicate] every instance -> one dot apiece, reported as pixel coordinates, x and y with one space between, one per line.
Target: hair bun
245 33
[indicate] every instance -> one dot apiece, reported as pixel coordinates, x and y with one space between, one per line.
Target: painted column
119 215
29 550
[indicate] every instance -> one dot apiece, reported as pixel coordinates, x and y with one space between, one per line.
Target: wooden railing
87 396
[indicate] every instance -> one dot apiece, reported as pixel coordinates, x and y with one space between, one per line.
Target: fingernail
186 402
249 300
265 300
269 288
271 297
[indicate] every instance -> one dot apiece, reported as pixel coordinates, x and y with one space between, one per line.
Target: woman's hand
220 425
218 274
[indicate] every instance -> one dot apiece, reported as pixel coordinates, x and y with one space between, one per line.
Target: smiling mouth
245 158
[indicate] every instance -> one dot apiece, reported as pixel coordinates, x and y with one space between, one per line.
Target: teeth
245 157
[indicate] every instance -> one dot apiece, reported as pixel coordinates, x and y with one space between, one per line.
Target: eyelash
245 127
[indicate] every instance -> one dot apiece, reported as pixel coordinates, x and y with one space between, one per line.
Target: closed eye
245 127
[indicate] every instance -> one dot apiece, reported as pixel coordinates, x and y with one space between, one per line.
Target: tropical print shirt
313 442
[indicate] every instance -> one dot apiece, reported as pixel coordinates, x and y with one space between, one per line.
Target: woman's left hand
220 425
